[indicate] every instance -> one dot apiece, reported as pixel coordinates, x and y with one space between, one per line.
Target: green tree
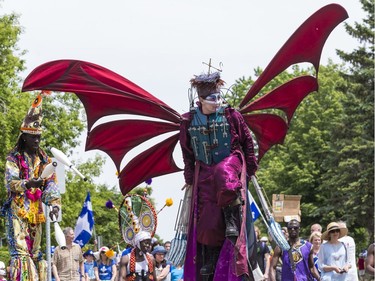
106 220
328 153
62 124
10 65
352 173
296 167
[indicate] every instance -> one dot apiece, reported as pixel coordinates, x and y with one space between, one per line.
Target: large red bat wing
116 138
269 129
286 97
104 93
305 45
153 162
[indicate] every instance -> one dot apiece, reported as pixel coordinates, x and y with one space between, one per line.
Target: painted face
211 103
145 245
31 142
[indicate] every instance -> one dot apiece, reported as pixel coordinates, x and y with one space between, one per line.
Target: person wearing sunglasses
333 256
298 262
218 154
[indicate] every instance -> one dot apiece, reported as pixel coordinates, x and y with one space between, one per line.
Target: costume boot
232 217
211 255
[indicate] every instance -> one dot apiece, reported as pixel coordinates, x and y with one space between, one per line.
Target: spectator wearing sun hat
105 268
333 257
162 267
89 265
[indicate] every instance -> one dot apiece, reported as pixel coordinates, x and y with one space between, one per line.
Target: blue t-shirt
177 273
105 271
89 269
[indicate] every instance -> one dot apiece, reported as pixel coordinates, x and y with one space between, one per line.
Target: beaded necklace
132 262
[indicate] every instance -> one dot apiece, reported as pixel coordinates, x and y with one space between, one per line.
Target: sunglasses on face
213 97
293 227
335 230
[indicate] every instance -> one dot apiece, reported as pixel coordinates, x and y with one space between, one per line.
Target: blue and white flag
255 211
85 223
254 208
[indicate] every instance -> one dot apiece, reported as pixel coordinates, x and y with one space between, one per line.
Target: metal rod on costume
273 227
48 243
59 234
96 248
210 66
178 244
60 156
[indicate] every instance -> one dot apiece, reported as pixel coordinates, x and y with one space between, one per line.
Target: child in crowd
89 266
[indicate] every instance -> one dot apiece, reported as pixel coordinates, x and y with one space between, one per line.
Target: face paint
213 97
213 100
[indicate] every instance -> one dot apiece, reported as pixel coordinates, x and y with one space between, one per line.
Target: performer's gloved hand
187 186
34 182
54 212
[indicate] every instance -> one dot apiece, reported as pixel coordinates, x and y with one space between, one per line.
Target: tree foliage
63 123
328 153
106 220
353 139
62 126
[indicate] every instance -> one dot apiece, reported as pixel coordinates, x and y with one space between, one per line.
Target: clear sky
160 45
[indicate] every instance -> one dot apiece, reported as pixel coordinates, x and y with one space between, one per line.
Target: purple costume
301 263
215 186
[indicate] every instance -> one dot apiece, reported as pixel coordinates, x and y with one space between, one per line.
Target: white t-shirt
139 266
350 247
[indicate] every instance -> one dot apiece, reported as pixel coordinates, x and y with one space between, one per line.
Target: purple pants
218 186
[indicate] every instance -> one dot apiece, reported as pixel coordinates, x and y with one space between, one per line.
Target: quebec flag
254 208
85 223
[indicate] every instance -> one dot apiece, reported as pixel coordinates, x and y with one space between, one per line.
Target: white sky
160 45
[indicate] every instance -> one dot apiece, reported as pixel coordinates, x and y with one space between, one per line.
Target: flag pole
95 238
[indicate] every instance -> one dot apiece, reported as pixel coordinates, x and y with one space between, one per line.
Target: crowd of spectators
324 255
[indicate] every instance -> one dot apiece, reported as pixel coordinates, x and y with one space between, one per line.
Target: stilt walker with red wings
215 140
